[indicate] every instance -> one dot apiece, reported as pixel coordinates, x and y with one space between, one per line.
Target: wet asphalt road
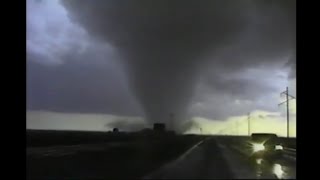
212 158
220 158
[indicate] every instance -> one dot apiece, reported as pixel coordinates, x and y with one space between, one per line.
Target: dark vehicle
265 145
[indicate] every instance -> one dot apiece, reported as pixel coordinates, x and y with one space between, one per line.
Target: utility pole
287 101
248 124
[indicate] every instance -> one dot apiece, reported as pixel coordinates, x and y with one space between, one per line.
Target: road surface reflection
266 169
278 171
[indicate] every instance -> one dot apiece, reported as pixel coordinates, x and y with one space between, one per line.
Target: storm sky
211 59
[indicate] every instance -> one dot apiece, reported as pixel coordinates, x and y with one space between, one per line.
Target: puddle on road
278 171
268 170
259 161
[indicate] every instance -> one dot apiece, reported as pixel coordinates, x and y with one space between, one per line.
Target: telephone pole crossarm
287 101
292 97
282 103
284 92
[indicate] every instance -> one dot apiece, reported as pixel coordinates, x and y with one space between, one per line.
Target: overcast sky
211 59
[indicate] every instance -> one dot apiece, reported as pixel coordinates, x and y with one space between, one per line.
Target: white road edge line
290 149
172 163
237 173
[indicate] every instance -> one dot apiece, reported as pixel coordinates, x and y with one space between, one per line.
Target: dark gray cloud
154 37
167 44
219 96
239 87
292 65
213 59
79 86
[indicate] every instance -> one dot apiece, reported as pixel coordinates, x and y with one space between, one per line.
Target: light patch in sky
78 121
260 122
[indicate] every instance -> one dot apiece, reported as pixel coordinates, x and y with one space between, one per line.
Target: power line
287 101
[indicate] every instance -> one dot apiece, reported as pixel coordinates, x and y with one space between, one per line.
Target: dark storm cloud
219 96
79 86
292 65
166 44
239 87
154 37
